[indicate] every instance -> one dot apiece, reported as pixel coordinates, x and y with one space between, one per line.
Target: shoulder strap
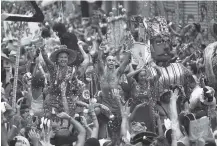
164 110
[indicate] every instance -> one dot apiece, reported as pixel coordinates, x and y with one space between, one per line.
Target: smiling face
142 77
62 59
110 61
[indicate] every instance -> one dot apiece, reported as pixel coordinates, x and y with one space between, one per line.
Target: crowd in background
76 87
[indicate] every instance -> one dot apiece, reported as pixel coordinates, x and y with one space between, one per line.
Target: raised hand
125 110
84 121
34 136
175 94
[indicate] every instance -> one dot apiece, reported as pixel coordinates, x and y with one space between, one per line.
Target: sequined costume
57 76
142 94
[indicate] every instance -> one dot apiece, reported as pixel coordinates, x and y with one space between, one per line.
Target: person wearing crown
159 35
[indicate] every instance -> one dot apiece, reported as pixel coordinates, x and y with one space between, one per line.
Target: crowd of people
79 83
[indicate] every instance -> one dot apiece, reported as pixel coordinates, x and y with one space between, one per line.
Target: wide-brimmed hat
13 53
5 57
144 137
62 48
164 92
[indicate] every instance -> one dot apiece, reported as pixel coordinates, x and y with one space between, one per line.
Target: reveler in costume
161 52
109 74
70 40
64 88
159 35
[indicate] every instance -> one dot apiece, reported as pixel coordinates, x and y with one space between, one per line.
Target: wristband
14 126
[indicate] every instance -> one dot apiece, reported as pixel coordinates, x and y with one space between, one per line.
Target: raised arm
174 32
95 129
48 62
124 64
78 127
155 78
133 73
85 63
176 132
100 64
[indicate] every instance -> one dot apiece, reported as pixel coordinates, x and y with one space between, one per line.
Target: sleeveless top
107 98
37 106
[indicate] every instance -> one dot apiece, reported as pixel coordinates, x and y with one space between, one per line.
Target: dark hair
136 77
70 40
197 26
59 27
38 81
194 68
63 136
92 142
22 51
45 33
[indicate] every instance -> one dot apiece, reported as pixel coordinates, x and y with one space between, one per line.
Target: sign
199 128
141 52
19 29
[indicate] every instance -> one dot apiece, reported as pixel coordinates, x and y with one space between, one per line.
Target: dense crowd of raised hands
21 127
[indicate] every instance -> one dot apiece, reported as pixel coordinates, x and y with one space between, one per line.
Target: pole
16 76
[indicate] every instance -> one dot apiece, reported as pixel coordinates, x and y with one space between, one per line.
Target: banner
20 29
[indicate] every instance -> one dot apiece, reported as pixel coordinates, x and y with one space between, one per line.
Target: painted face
142 76
62 59
110 62
161 44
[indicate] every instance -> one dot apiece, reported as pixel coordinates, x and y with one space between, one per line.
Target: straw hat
144 137
62 48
